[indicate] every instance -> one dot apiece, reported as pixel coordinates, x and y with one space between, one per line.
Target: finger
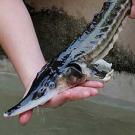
132 15
25 117
93 84
75 93
133 2
80 92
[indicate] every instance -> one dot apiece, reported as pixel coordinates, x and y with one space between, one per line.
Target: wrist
30 76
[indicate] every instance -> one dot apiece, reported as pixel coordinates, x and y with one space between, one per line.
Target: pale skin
18 39
132 15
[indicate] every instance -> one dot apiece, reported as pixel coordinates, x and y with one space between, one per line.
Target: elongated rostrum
82 60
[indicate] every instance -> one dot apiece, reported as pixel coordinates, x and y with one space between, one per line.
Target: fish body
80 61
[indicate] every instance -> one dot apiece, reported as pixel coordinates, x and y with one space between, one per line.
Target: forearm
18 39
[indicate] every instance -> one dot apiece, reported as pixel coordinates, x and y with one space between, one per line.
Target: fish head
46 85
43 88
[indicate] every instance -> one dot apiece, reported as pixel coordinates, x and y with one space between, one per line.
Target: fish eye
52 85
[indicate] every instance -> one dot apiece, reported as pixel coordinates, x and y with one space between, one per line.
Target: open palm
85 90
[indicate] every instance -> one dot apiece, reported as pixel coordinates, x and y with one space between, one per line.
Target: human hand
132 15
85 90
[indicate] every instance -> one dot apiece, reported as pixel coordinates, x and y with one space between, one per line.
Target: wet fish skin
80 61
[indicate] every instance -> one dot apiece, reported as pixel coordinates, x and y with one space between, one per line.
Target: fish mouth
18 109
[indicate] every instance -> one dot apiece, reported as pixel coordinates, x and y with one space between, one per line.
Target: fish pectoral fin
74 74
101 70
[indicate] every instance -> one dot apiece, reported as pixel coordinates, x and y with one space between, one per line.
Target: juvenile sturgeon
80 61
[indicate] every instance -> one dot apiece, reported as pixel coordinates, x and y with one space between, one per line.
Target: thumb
25 117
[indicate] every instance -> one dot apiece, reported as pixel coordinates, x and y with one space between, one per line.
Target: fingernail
94 92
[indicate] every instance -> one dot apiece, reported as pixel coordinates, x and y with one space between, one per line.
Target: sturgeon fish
82 60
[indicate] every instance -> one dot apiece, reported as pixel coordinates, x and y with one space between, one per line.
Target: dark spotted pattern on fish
80 60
